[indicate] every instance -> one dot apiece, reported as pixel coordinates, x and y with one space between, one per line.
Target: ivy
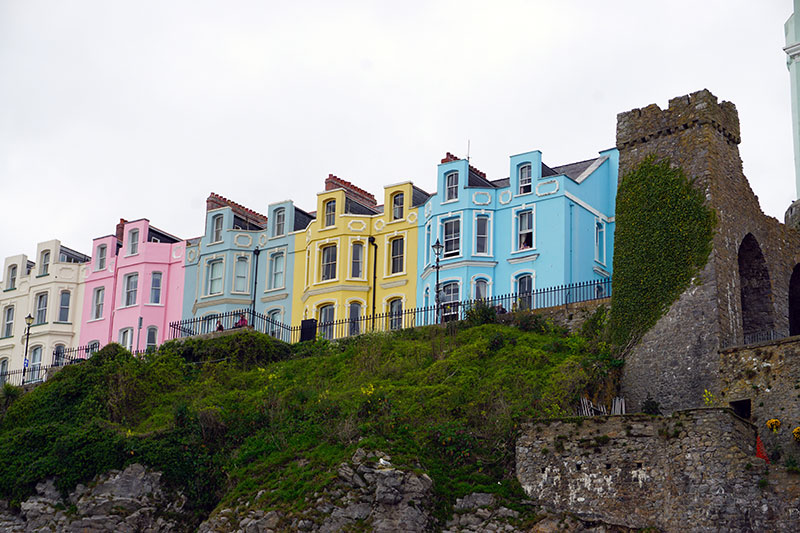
662 240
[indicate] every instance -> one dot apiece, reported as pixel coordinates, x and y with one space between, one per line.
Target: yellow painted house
356 262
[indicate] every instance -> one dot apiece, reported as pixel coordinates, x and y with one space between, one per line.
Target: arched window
524 291
326 321
756 292
216 228
273 324
44 263
100 261
330 213
397 206
524 179
280 222
35 364
11 280
354 312
93 347
58 355
449 301
395 314
481 289
3 371
152 339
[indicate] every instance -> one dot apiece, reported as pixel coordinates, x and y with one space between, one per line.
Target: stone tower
742 294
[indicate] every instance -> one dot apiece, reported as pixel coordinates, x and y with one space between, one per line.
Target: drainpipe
571 207
256 251
374 277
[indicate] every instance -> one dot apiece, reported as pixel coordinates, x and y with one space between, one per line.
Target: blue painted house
242 253
540 227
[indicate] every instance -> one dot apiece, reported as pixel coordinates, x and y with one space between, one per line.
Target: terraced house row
348 261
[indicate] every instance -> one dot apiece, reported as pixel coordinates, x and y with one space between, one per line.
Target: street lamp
437 251
256 251
28 322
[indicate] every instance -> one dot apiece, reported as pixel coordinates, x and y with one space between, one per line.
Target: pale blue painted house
541 227
242 253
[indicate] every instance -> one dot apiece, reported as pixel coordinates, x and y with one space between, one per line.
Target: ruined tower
742 294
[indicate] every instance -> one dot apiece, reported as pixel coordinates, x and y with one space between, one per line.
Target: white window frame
361 263
209 280
44 263
126 333
394 317
148 344
323 263
457 251
61 308
329 212
328 329
279 228
486 281
41 310
354 324
443 301
102 254
273 272
35 363
93 347
428 244
397 262
8 321
11 281
98 298
237 275
217 224
516 279
515 230
451 186
525 180
398 210
133 241
488 218
153 287
130 289
600 241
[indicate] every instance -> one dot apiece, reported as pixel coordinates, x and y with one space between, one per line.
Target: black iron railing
394 319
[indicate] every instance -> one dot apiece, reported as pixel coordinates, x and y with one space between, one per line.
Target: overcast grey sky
139 109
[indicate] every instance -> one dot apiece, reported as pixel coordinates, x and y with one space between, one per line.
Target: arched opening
757 320
794 301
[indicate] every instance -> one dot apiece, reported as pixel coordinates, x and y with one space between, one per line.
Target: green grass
447 401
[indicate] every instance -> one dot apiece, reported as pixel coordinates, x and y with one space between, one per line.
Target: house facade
357 259
243 260
133 287
541 227
50 290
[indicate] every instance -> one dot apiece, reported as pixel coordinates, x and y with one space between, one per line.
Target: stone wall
693 471
677 359
571 316
767 376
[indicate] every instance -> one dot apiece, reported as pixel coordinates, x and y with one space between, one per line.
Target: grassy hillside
227 417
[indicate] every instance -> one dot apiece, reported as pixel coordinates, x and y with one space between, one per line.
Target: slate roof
574 170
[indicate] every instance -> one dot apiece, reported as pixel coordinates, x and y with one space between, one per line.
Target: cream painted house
50 290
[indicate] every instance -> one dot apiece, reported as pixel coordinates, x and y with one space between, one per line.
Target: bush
480 313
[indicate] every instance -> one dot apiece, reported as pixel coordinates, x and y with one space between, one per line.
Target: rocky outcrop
369 492
131 500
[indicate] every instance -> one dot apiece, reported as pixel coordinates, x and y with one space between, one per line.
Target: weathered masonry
693 471
743 293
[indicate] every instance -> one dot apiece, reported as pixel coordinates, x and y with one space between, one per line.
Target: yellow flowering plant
774 424
796 433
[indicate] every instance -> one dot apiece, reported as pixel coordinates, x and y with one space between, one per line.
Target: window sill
131 255
523 194
451 256
273 289
126 307
355 279
454 200
524 250
326 281
395 275
214 243
154 304
42 275
212 295
327 228
9 290
396 221
65 323
7 337
94 320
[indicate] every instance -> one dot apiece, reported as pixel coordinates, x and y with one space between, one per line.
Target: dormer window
11 280
280 222
330 213
216 228
397 206
451 186
100 262
524 179
133 242
44 263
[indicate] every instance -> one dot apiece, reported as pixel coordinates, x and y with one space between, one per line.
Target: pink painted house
134 287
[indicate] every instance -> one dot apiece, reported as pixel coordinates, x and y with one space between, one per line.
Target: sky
140 109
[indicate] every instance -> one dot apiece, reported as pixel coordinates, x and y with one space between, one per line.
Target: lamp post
28 322
437 251
256 251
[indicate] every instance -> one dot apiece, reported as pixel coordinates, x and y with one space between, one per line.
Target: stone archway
756 289
794 301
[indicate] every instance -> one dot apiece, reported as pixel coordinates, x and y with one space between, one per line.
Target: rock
474 500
